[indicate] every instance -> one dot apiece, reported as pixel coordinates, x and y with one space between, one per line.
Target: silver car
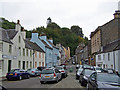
62 70
34 72
50 74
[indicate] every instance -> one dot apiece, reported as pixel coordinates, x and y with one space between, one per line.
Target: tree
77 30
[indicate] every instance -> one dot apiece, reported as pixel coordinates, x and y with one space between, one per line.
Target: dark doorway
23 64
9 65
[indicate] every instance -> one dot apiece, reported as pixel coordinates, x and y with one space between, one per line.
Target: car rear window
59 68
88 72
28 69
15 70
47 71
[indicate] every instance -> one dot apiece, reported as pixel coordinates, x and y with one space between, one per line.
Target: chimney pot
18 21
117 14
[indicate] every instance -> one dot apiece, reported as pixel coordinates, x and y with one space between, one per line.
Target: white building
17 52
110 57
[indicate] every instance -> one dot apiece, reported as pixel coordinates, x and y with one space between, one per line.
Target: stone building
108 56
95 44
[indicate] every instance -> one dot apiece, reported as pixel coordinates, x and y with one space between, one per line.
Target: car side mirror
93 79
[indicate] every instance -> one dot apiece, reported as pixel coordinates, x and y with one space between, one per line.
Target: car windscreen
113 78
28 69
59 68
98 68
88 72
15 70
49 71
80 70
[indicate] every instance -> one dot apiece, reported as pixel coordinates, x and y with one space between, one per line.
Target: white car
98 69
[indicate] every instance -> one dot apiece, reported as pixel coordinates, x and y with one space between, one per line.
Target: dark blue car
18 74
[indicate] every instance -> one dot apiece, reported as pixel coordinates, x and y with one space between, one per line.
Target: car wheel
28 76
82 84
20 77
57 81
66 75
41 82
79 80
8 79
76 78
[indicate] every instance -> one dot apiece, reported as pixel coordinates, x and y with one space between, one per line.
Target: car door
92 81
58 74
82 74
22 73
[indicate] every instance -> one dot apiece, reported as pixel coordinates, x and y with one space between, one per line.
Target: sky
87 14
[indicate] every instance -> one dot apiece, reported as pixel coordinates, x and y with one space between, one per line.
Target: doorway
9 65
23 64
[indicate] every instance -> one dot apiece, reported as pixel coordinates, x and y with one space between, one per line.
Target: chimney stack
18 26
117 14
18 21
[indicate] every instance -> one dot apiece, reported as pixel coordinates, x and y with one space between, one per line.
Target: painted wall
48 55
107 60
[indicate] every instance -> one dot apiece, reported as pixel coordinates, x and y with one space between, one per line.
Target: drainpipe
33 57
114 59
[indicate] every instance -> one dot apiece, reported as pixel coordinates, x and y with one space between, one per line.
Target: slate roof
4 36
53 45
33 46
11 33
46 45
112 46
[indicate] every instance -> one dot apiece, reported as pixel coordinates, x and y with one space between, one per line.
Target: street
34 82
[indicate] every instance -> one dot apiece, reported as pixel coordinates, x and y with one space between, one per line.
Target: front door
9 65
23 64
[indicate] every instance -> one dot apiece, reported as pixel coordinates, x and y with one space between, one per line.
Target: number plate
47 76
10 74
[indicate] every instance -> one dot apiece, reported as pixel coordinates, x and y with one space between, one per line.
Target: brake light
62 71
54 75
15 73
6 74
40 75
32 71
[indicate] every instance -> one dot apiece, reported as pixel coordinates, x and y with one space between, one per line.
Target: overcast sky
88 14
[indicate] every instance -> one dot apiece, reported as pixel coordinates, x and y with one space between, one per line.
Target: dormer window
19 39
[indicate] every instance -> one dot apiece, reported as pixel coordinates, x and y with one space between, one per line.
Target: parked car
87 66
64 65
78 73
73 63
62 70
77 66
41 68
17 74
83 79
34 72
98 69
103 80
109 70
50 74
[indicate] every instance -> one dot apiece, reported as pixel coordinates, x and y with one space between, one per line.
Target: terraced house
17 52
107 44
52 52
